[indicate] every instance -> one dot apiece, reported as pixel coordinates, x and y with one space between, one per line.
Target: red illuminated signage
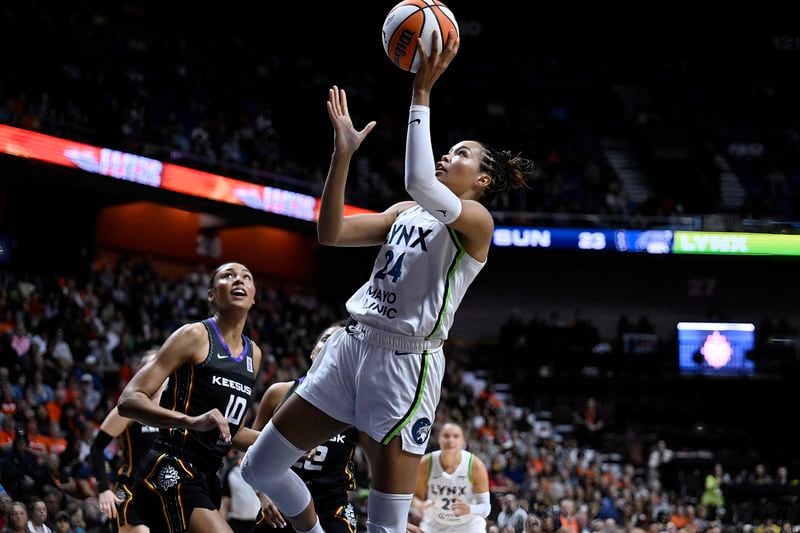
146 171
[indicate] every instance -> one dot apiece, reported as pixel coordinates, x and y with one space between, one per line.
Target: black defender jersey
223 381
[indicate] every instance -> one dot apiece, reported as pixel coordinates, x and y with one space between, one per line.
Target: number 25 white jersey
443 490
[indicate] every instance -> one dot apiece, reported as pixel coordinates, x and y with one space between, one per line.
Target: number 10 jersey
222 381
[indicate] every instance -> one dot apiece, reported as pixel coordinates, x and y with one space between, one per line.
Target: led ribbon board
151 172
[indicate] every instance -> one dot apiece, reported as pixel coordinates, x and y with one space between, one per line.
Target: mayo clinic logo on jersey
249 364
421 430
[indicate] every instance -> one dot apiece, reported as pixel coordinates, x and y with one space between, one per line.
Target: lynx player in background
452 487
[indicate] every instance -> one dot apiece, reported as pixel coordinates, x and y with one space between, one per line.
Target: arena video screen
715 348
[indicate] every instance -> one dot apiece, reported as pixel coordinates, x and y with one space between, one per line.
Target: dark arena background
626 361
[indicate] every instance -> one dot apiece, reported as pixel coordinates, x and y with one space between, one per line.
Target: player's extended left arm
482 506
421 182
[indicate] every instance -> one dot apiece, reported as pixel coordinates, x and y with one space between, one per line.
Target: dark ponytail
509 172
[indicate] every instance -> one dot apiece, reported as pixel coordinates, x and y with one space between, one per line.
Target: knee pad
266 468
387 513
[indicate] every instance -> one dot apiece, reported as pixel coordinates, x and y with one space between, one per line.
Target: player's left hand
459 507
272 515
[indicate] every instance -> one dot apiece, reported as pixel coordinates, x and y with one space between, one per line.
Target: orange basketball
409 20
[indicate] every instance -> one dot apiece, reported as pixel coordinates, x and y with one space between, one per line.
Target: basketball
409 20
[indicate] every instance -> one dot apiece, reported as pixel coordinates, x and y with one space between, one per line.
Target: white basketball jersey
443 490
418 281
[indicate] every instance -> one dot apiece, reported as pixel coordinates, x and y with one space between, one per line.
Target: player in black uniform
135 441
211 367
326 470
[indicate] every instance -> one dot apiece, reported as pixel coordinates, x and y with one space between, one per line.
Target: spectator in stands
17 519
759 476
782 476
20 341
768 525
589 422
659 456
511 514
697 516
91 512
533 524
712 497
7 433
19 469
608 506
91 396
38 517
42 392
61 350
61 523
76 519
680 518
52 500
5 507
499 482
568 518
9 402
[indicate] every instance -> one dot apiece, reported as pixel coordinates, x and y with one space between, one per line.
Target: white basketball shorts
382 383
